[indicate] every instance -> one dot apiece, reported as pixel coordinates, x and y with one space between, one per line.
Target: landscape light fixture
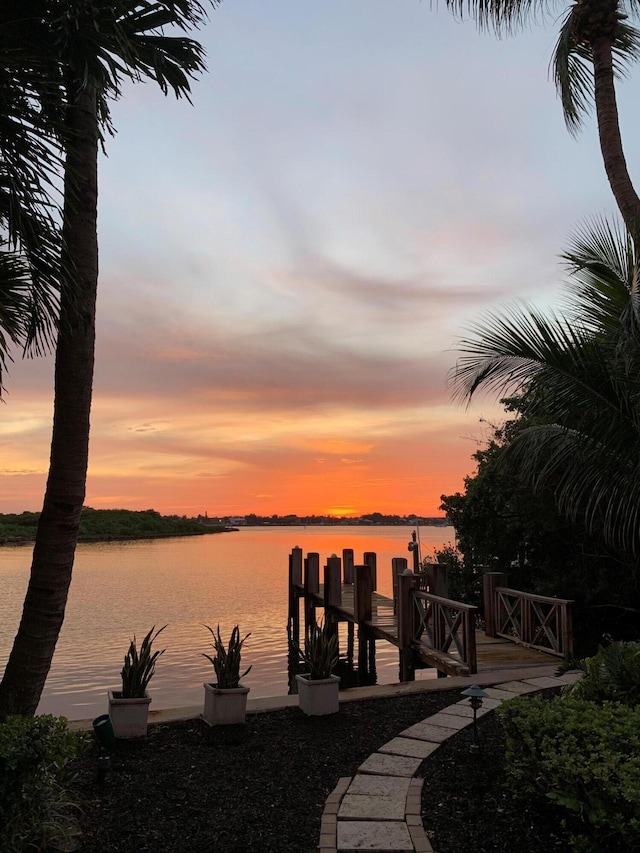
103 727
476 694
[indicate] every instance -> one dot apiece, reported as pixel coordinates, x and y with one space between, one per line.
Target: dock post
295 582
406 584
311 588
362 612
490 581
437 579
398 566
363 594
347 561
350 642
370 559
332 592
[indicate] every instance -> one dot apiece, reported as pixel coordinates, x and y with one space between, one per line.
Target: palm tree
580 375
95 45
595 45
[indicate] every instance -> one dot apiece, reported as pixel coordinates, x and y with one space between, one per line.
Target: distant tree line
104 524
377 518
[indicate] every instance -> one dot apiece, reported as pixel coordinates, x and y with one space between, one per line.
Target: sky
287 264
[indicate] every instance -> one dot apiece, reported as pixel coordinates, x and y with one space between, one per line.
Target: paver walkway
379 808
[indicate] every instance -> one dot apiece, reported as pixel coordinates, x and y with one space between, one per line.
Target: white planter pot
128 716
316 698
224 707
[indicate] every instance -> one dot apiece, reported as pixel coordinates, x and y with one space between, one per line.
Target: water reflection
122 588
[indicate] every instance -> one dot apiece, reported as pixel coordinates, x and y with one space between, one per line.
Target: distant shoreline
124 537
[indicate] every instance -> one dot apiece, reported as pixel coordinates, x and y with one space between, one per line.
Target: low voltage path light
476 694
103 727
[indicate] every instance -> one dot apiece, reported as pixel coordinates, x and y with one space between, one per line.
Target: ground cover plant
583 756
36 810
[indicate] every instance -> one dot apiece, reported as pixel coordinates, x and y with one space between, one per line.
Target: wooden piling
296 566
295 579
370 559
311 588
363 593
437 580
332 582
312 573
347 560
398 566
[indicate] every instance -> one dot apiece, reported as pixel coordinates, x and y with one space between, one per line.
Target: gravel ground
261 788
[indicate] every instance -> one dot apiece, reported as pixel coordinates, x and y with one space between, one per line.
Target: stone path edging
379 809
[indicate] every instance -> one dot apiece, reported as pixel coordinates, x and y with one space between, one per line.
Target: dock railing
436 624
537 621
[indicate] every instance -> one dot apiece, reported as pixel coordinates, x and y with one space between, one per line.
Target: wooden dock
429 629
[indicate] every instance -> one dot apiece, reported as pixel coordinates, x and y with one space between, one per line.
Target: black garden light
103 727
476 694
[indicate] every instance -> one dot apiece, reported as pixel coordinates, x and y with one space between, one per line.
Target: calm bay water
122 588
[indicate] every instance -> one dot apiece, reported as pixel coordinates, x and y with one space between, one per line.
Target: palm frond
580 380
504 17
573 75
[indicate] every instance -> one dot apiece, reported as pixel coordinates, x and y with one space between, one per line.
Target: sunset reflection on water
122 588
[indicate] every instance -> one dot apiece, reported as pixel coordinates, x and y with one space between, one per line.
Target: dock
511 630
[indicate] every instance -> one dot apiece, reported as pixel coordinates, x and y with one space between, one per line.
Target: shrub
35 810
585 758
613 674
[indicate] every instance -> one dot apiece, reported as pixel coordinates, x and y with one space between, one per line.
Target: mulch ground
261 788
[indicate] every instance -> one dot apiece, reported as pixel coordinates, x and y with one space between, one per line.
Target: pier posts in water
332 582
370 558
332 592
295 584
311 587
363 611
347 562
398 566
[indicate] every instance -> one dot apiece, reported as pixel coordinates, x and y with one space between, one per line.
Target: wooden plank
441 661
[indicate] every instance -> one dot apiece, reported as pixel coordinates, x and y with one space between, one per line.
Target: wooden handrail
446 602
543 599
521 617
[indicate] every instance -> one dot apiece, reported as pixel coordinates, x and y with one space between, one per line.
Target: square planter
128 716
224 707
316 698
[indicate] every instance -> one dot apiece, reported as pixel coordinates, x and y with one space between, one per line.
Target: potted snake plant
129 707
319 688
225 700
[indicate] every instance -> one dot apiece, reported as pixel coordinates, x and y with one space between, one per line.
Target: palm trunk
610 138
57 533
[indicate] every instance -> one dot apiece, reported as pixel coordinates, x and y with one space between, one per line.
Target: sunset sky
286 265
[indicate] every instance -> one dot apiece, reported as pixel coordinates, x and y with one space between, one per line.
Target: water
122 588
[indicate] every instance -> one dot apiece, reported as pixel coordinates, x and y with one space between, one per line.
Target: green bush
611 675
35 811
585 758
